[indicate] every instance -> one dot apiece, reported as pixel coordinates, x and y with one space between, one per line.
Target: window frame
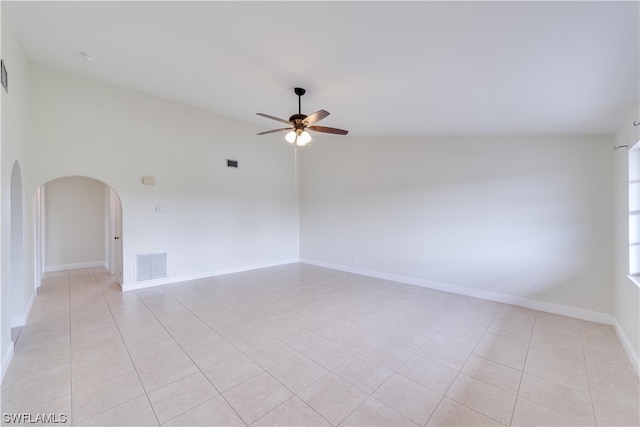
634 213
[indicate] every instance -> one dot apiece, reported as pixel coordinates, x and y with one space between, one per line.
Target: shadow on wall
525 217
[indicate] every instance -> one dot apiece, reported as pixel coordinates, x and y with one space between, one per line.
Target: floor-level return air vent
151 266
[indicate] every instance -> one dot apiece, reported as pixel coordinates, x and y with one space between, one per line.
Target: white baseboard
6 360
635 361
578 313
202 275
77 266
21 320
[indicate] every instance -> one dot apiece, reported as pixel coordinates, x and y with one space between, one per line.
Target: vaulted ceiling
380 68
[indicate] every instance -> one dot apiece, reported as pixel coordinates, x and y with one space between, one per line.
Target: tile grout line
237 348
70 353
369 395
189 356
413 353
70 321
282 403
265 370
584 358
189 302
524 365
146 392
554 382
294 394
459 371
128 353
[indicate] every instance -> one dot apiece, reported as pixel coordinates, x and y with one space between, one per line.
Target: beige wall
626 292
16 297
494 215
214 218
75 223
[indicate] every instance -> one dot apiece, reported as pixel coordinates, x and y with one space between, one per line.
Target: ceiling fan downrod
299 91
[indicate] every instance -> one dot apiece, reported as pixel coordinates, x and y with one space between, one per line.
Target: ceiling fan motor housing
298 120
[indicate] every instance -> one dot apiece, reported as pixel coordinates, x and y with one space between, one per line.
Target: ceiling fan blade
273 118
274 130
328 130
315 117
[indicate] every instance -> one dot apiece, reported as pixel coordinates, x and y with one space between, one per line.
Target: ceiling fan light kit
300 123
298 137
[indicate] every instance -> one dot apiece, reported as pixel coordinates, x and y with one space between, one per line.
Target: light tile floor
302 345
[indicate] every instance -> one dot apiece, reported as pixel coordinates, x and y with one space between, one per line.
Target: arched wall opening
78 224
17 248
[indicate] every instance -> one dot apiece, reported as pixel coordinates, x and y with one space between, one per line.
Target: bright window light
634 210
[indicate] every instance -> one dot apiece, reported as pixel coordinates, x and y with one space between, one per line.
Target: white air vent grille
151 266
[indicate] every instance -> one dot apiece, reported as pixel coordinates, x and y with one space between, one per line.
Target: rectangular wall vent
151 266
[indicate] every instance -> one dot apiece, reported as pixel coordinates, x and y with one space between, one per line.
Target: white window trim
634 213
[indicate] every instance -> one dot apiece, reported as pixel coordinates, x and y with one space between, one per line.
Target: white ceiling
380 68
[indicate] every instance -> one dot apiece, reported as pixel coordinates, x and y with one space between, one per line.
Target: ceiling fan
300 123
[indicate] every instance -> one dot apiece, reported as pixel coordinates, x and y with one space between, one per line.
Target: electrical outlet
355 259
536 286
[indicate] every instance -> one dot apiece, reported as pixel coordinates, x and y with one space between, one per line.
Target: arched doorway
79 221
17 251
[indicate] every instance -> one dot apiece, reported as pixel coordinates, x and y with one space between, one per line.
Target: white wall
492 214
626 292
14 138
216 218
75 223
